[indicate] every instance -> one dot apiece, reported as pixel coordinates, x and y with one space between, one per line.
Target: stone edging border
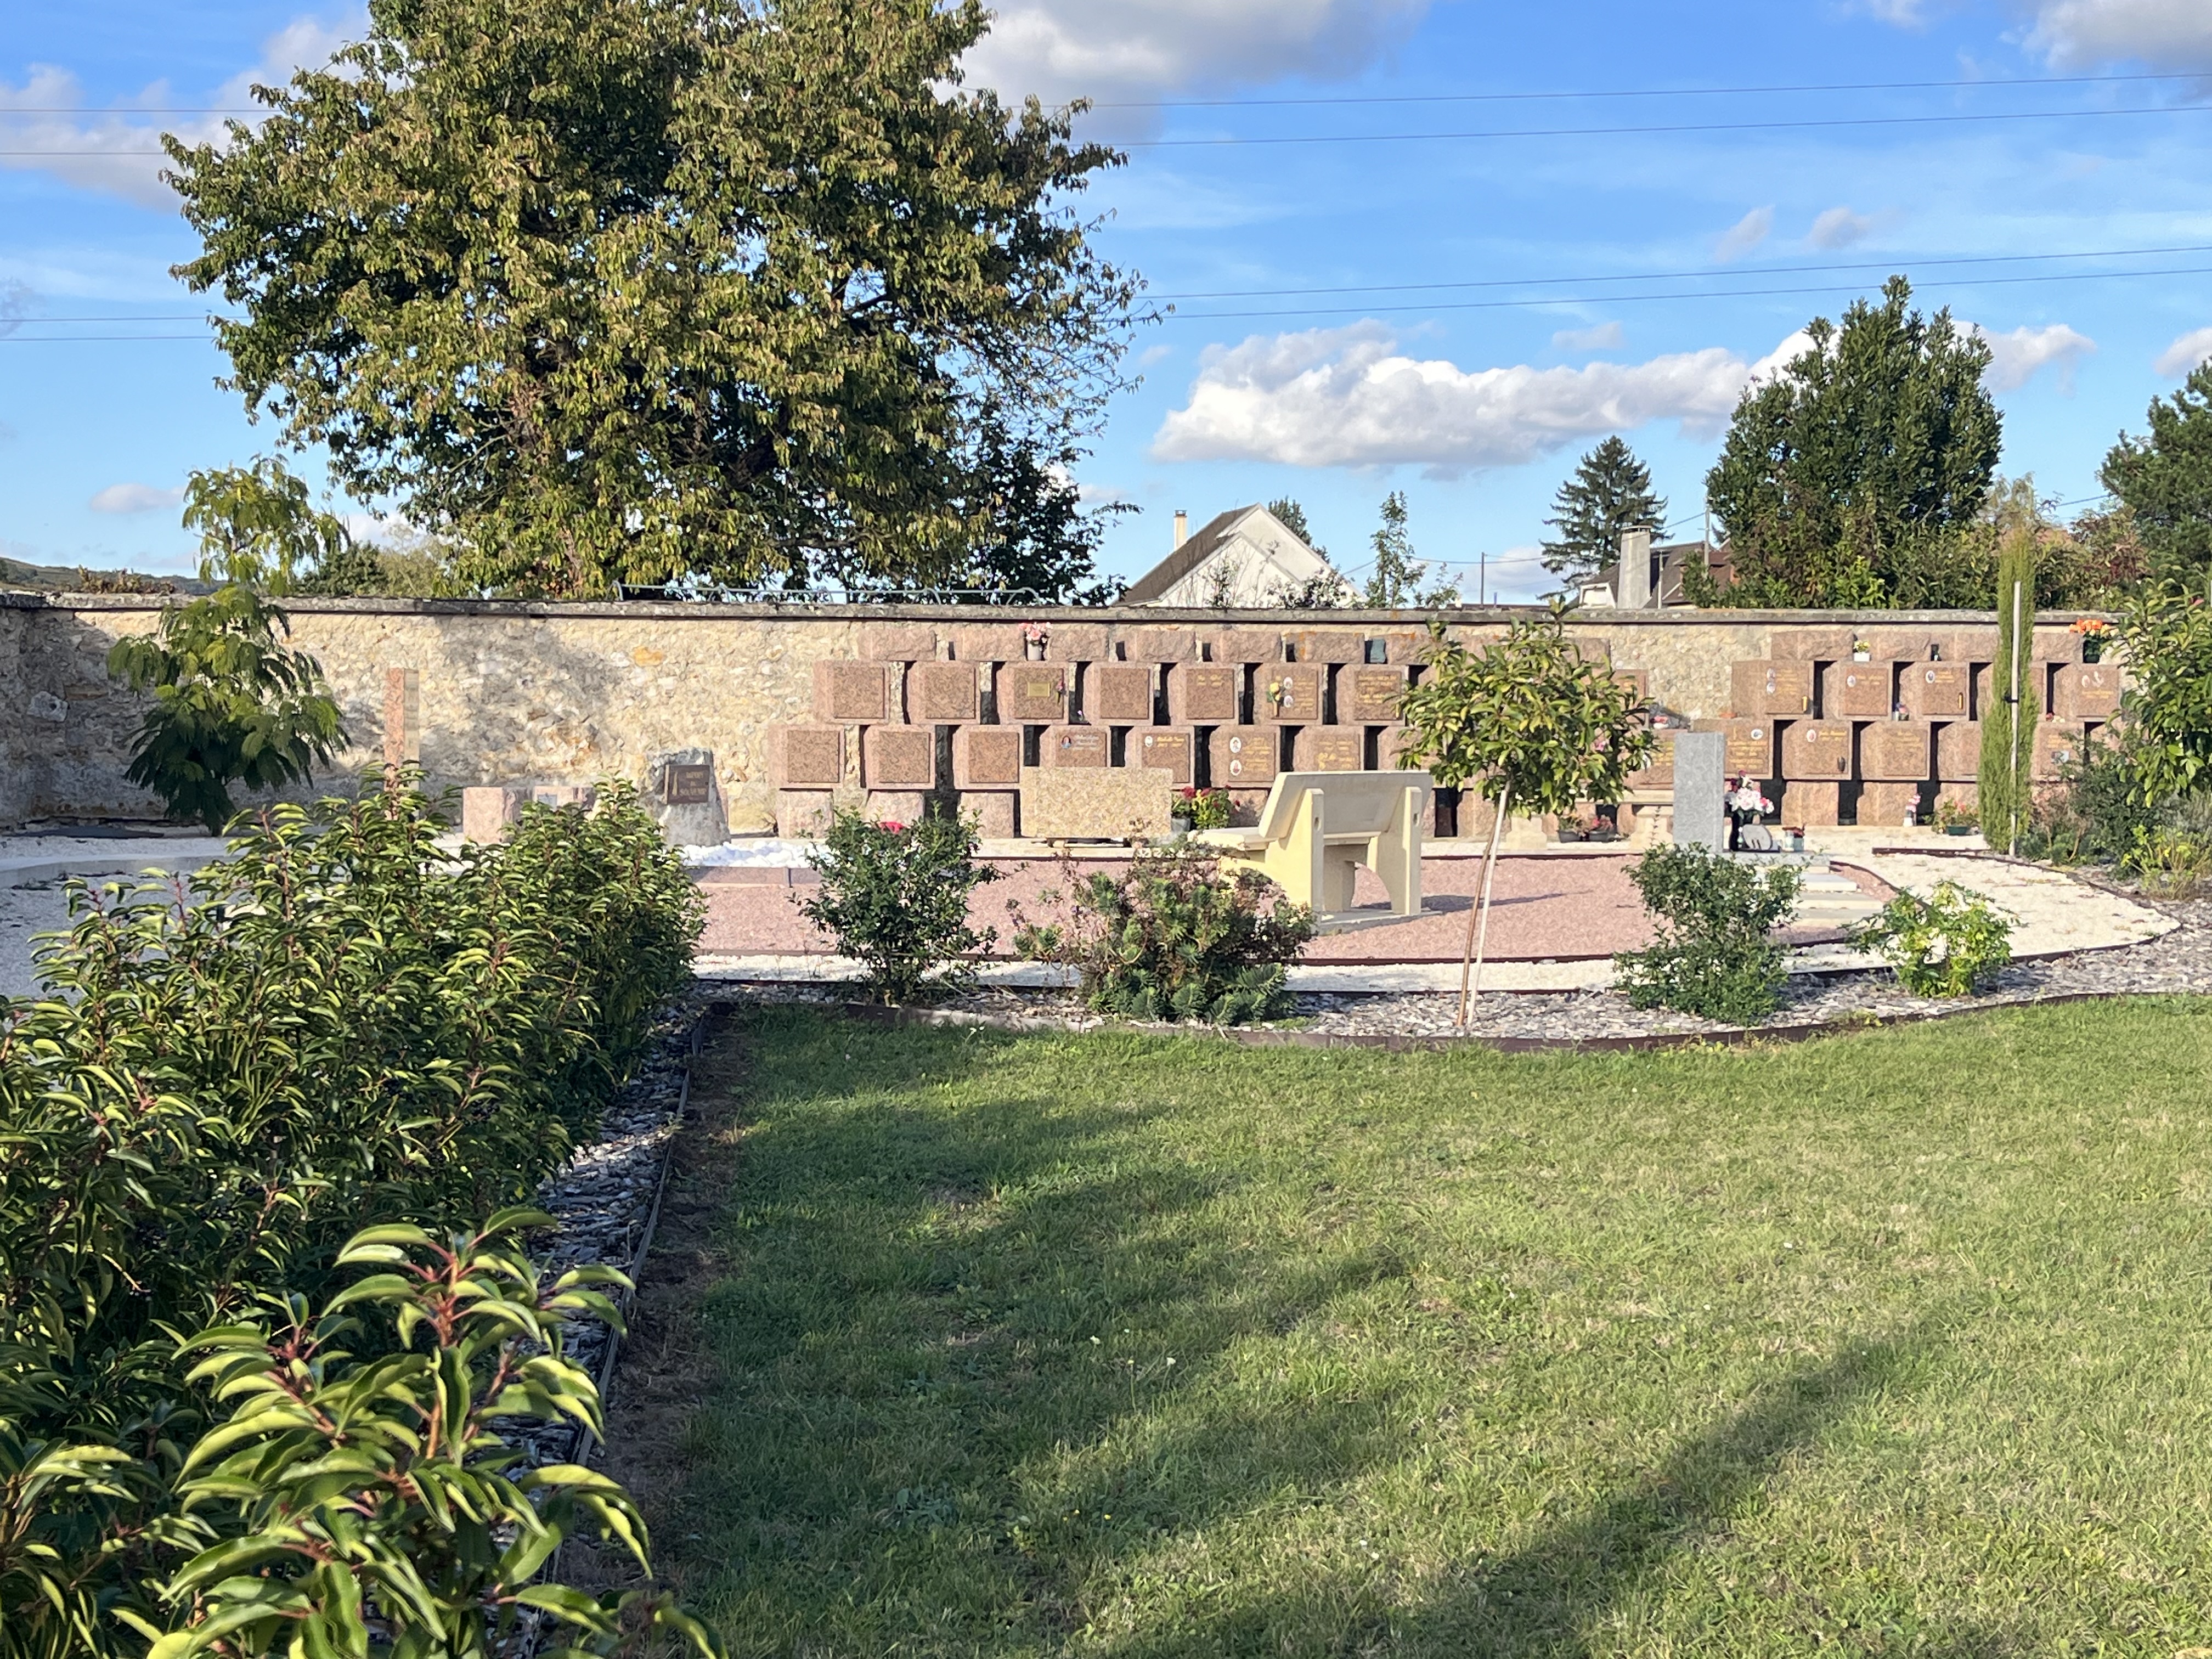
1394 1043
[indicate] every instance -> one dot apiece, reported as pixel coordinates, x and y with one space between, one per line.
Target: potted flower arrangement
1746 803
1200 809
2095 633
1954 819
1861 652
1034 635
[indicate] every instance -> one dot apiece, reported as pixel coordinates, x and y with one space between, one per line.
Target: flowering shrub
1207 809
1716 955
1946 944
895 897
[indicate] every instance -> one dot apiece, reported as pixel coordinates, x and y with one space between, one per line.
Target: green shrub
895 897
2172 858
1716 956
1207 809
1946 944
344 1025
1174 938
2098 813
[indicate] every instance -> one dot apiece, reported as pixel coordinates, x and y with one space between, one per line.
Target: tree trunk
1478 914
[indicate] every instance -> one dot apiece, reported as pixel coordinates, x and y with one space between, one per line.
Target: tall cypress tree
2008 725
1610 492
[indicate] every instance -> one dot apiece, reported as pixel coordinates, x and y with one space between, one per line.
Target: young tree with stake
1529 723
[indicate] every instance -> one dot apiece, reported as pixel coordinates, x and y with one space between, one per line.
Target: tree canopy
1846 479
1610 492
622 290
2164 480
1397 580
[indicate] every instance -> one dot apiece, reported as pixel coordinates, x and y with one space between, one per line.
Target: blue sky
1476 399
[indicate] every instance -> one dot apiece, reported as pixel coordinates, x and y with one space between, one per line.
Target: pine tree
1610 492
2163 479
1292 517
1396 583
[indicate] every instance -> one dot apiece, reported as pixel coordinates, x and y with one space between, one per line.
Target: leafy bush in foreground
895 897
345 1026
1172 937
1944 946
1716 955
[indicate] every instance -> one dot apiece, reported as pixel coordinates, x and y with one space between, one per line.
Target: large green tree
2163 479
618 289
1848 478
1610 492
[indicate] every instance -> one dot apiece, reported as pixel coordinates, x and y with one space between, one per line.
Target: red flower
894 826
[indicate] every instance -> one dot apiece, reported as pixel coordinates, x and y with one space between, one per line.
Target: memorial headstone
1204 692
1244 757
807 757
898 757
987 757
1118 694
681 788
941 693
1170 750
1700 790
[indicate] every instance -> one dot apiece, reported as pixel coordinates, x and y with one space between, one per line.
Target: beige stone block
994 811
2086 690
851 693
802 814
577 797
1936 690
1289 695
487 811
1902 644
1204 692
1327 645
1813 749
1816 642
1858 691
1171 751
986 642
900 806
898 642
898 757
1750 750
1259 645
1078 642
1394 747
1783 689
2058 643
941 693
2058 744
1971 643
1658 772
987 757
1160 644
1119 803
1118 693
1959 750
1807 805
1964 797
1329 749
1368 694
1244 757
1892 805
1079 747
1896 751
1033 693
806 756
2034 690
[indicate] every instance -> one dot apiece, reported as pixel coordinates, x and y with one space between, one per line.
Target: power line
1686 275
1721 293
1653 92
65 339
1648 131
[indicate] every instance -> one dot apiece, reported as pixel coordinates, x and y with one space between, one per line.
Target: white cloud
2185 353
1605 337
118 153
2016 357
134 498
1839 227
1747 233
1138 49
1348 397
2172 34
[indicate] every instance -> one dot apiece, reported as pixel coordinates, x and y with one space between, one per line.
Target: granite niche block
1118 694
2058 744
1160 645
1771 688
1658 772
1076 643
1119 803
2086 690
1813 749
806 756
1171 751
1204 692
1896 751
1244 757
1033 693
986 642
1965 797
1245 644
1330 749
1891 805
994 810
1817 644
1367 695
940 693
1751 746
802 814
851 693
2035 687
487 811
987 757
898 757
896 805
1858 691
1806 804
898 642
1289 695
1959 750
1081 747
1936 690
1327 645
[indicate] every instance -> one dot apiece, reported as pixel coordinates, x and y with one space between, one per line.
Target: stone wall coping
1133 616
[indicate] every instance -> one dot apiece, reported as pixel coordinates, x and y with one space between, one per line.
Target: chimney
1632 588
1182 527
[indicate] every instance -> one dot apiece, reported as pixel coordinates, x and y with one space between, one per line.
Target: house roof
1670 556
1187 558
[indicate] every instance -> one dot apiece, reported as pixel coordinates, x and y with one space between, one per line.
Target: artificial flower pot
1861 656
1958 829
1033 649
1181 826
2093 648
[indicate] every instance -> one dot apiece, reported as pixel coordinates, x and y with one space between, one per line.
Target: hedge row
344 1025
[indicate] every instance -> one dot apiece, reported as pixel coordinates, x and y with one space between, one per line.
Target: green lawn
1894 1343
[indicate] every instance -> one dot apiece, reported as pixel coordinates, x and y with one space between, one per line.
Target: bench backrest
1352 803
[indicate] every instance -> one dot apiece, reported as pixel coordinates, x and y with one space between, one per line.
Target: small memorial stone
1318 645
1858 691
851 693
1813 749
1160 645
1118 693
1289 695
801 814
1246 645
987 757
1032 693
898 642
1891 805
1084 747
686 799
807 757
1330 749
1896 751
2033 684
2089 690
1076 643
1169 751
1244 757
995 812
1771 688
1807 806
1959 751
1369 696
941 693
1936 691
898 757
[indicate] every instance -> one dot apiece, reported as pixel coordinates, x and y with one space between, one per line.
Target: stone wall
516 692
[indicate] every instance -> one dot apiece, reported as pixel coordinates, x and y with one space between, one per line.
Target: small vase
1033 650
1861 656
1179 826
2093 648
